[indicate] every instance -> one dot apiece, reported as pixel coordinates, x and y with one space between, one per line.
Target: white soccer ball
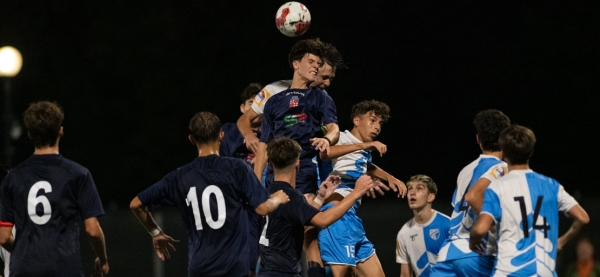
292 19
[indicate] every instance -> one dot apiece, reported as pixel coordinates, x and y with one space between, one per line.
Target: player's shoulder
278 86
411 223
441 216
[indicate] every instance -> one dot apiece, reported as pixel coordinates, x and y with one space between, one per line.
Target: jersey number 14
192 199
538 206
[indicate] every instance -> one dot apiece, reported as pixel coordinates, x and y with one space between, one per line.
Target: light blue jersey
457 245
418 244
525 207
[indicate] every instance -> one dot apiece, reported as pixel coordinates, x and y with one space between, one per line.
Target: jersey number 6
192 199
33 200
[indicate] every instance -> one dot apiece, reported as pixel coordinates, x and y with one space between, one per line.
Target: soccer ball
292 19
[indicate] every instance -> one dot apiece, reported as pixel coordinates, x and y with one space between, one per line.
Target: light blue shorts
465 267
344 242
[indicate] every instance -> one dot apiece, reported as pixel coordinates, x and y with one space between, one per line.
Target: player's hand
251 143
162 243
364 184
478 247
376 145
320 144
100 268
280 197
329 185
378 188
561 243
397 186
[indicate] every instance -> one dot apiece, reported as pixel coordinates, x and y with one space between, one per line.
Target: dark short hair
43 121
332 56
516 143
306 46
205 127
283 152
376 107
250 92
431 186
489 124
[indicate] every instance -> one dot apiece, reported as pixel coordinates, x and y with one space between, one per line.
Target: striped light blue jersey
525 206
457 245
418 244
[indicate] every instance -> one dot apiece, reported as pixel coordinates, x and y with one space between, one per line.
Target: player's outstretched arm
580 218
325 190
326 218
260 160
244 124
96 235
337 151
478 232
6 238
396 185
475 194
276 199
160 240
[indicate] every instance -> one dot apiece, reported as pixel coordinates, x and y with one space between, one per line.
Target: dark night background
130 74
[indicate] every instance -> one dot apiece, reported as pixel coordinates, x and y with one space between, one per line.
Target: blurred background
130 74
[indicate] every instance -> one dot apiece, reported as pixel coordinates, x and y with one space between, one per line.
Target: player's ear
430 197
61 132
242 106
191 139
356 120
221 135
477 139
295 64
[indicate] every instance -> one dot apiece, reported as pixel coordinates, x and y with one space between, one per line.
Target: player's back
457 244
46 197
525 204
210 193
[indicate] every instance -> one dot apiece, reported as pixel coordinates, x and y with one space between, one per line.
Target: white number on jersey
33 200
192 199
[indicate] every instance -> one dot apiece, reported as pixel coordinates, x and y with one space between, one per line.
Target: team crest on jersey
294 101
498 171
434 234
261 96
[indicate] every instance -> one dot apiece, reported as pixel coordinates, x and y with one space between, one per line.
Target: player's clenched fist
280 197
363 184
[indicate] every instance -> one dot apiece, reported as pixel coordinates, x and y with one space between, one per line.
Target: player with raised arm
455 258
210 185
344 244
524 205
45 198
285 227
421 238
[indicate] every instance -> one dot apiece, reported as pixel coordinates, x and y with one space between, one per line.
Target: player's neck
46 150
299 82
288 176
423 215
206 149
496 154
356 134
518 167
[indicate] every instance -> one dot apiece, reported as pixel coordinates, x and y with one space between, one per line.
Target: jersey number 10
192 199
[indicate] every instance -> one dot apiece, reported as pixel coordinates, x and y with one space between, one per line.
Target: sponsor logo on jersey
261 97
412 237
434 234
294 119
294 101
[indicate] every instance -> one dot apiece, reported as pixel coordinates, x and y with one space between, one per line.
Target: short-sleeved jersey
233 144
297 114
418 244
457 245
350 166
258 105
46 197
210 193
525 205
285 233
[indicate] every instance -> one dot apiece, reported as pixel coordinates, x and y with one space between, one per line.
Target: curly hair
249 92
205 127
426 180
517 144
43 121
489 124
376 107
283 152
307 46
332 56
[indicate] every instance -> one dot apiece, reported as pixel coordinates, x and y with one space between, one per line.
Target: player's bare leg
311 248
369 268
341 270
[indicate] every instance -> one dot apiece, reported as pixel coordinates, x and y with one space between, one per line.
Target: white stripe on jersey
258 105
352 165
418 244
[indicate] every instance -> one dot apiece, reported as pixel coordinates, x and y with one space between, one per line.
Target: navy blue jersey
46 197
210 193
298 114
285 233
233 144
